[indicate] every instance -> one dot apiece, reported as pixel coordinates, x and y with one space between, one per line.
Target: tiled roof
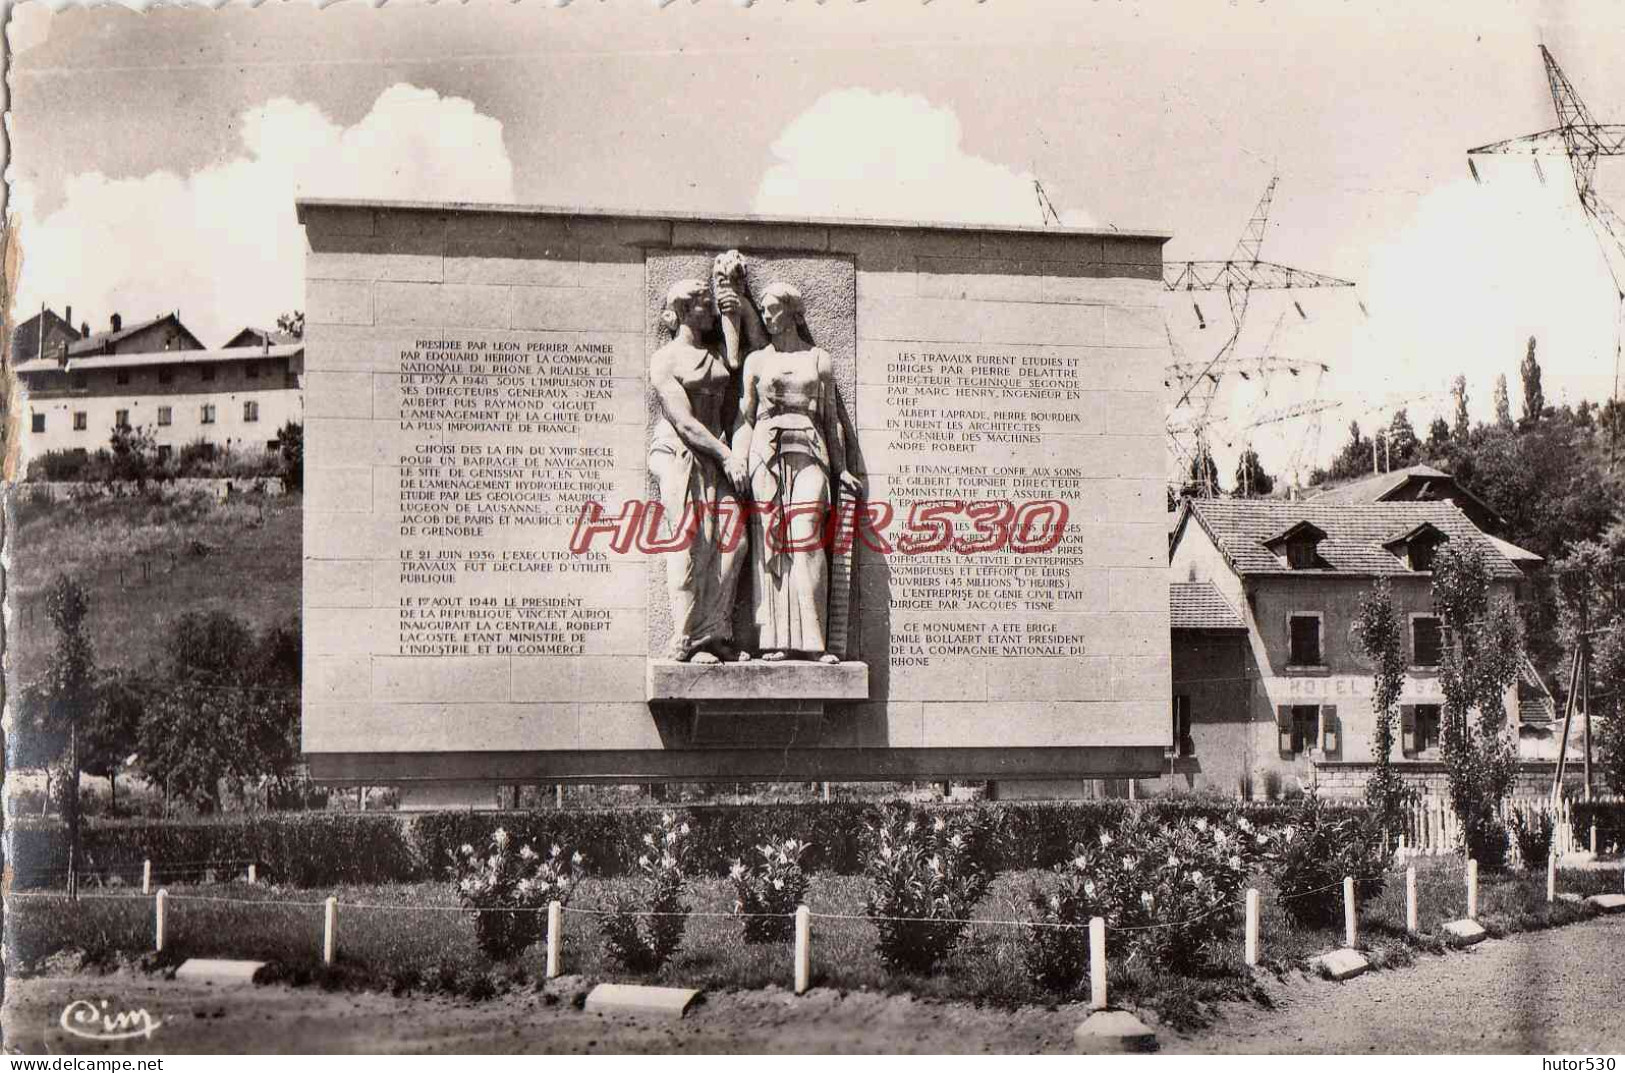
1199 605
1354 533
160 357
25 337
1372 489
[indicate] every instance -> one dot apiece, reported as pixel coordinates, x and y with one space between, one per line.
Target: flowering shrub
506 891
1166 892
925 877
645 924
1316 851
766 896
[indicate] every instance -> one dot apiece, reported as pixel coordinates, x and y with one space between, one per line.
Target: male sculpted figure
690 458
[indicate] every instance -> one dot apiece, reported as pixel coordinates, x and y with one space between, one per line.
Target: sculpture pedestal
759 703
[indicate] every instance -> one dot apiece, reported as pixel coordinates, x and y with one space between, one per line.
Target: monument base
758 680
430 796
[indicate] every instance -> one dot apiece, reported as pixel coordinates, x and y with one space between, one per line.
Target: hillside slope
145 562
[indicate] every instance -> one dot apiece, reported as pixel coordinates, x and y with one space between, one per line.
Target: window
1300 555
207 372
166 415
81 420
252 370
1304 648
251 411
1422 553
124 376
1299 725
164 452
1427 641
166 376
1420 726
207 413
37 424
290 379
1183 746
81 381
121 419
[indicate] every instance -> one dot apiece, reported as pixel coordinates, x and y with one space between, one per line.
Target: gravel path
1549 992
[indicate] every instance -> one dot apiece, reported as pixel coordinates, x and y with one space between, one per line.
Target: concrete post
555 938
1551 876
146 876
1593 840
558 795
803 948
1411 921
1097 963
158 938
1472 888
253 875
330 927
1351 931
1252 927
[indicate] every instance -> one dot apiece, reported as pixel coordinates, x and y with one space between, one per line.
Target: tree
69 689
290 441
1438 438
1251 480
1380 634
1402 442
134 452
1503 405
292 323
1354 460
1202 477
1534 400
1462 427
1482 653
229 714
113 730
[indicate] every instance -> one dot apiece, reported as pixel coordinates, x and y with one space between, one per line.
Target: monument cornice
305 204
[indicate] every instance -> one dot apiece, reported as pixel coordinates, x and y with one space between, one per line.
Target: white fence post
1551 876
158 938
1472 888
1097 963
1351 931
555 939
1593 840
803 948
1412 922
253 875
330 927
1252 927
146 876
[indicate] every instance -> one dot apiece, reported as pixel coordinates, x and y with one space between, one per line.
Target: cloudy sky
156 156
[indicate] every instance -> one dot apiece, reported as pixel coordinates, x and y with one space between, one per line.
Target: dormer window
1299 545
1418 547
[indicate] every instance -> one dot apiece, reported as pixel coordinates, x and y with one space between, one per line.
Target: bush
656 897
1531 829
1167 892
506 892
1314 854
766 896
926 875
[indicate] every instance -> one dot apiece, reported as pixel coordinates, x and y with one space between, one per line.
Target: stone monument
629 497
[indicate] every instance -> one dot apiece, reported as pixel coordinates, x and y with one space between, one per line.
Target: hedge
327 848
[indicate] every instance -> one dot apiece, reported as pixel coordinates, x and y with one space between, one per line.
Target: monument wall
476 375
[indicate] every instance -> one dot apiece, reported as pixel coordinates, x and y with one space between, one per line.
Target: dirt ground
1548 992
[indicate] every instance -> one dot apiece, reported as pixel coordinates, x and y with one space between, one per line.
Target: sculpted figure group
750 416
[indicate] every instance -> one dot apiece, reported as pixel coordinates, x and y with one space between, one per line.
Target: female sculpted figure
790 448
691 460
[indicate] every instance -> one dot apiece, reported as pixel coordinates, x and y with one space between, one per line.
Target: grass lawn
407 938
242 557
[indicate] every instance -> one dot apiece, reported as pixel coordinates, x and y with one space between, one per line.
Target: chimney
117 321
84 330
67 316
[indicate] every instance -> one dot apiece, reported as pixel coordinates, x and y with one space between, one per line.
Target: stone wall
451 634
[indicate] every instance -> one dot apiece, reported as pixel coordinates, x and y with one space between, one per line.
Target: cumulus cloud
859 153
222 244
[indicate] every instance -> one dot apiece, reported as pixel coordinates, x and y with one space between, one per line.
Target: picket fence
1430 827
